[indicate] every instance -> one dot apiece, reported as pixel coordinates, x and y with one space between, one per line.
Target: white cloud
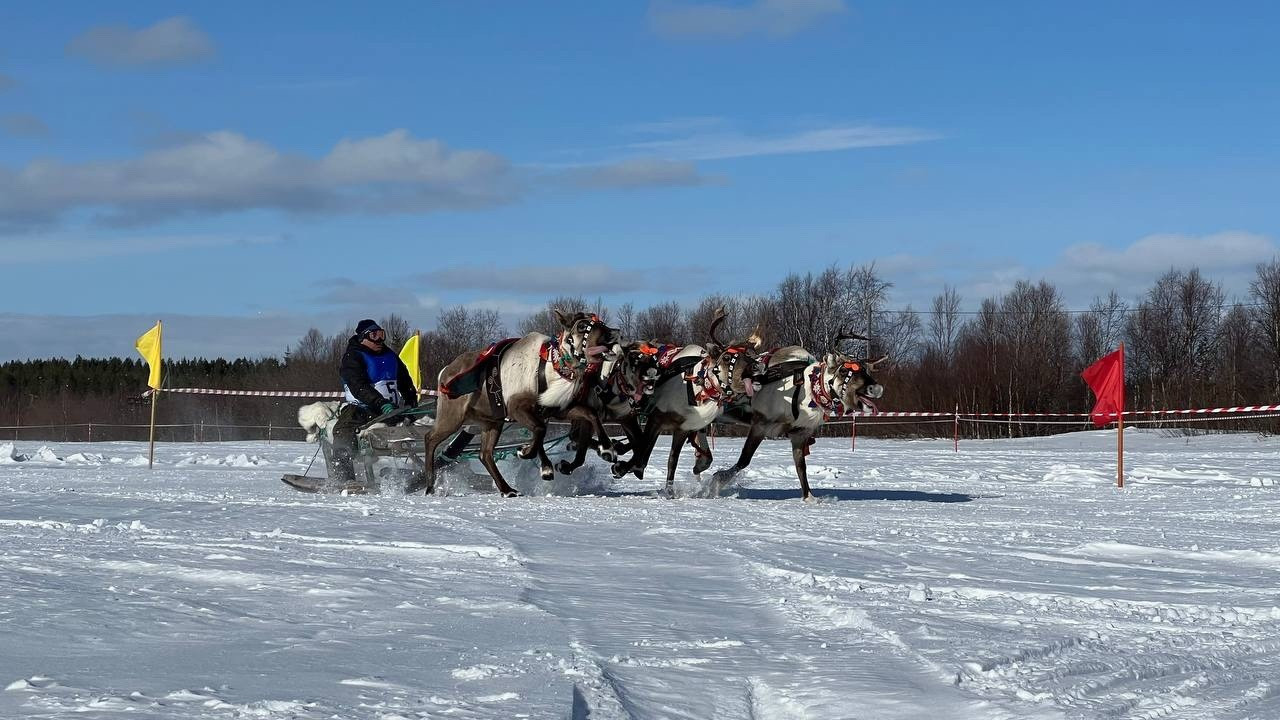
172 41
722 145
1228 257
640 173
31 249
224 171
393 297
584 279
1087 270
675 126
778 18
210 336
1157 253
23 125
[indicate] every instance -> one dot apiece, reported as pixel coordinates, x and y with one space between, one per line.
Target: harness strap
825 395
797 382
493 387
542 367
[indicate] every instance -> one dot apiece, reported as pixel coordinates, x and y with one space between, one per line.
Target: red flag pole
1120 436
955 428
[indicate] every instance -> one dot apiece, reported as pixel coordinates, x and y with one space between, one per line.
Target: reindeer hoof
722 476
420 482
565 467
526 451
548 472
620 468
509 493
608 455
701 464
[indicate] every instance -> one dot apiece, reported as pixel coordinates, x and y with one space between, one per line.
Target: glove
386 408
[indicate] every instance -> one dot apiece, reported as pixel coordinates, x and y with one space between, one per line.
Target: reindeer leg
527 415
678 439
489 442
640 452
635 435
749 447
450 416
799 448
703 460
580 433
607 453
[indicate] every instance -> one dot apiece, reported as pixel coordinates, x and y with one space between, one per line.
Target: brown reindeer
528 380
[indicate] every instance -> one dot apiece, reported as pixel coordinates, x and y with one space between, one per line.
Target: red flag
1106 379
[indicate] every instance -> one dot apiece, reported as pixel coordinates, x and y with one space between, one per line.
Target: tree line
1187 345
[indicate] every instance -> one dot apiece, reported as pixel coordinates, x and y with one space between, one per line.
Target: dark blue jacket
371 378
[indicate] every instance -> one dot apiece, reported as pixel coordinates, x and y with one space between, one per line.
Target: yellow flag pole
151 454
155 396
1120 435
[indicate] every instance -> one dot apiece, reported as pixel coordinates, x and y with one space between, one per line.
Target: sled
390 455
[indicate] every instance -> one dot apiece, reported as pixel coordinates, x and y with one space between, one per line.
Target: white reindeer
796 393
685 400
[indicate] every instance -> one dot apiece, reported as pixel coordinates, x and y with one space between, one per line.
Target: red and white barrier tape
1197 411
887 414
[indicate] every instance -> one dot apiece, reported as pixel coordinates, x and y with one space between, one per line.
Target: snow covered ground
1011 580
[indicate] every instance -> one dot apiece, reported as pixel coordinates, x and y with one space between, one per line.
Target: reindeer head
586 340
635 375
733 364
850 377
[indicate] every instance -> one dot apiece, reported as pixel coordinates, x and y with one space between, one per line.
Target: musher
374 383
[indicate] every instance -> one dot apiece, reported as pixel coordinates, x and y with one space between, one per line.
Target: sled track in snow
1193 661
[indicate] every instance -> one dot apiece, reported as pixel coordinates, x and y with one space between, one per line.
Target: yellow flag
149 348
409 356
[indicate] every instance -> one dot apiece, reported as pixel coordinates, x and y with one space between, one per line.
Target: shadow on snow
851 494
822 494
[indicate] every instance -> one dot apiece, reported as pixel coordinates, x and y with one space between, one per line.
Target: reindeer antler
847 335
843 335
715 323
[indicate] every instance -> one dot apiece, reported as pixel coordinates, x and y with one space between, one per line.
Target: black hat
365 327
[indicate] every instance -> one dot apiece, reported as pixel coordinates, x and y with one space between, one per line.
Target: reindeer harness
731 355
825 395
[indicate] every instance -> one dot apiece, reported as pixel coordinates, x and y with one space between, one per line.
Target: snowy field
1011 580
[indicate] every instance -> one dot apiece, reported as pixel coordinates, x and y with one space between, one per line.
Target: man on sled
374 383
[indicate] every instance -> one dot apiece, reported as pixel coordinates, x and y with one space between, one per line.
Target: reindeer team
587 376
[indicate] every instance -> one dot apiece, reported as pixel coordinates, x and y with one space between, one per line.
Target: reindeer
686 399
619 391
528 380
796 392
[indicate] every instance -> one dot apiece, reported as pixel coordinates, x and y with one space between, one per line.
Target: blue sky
247 171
